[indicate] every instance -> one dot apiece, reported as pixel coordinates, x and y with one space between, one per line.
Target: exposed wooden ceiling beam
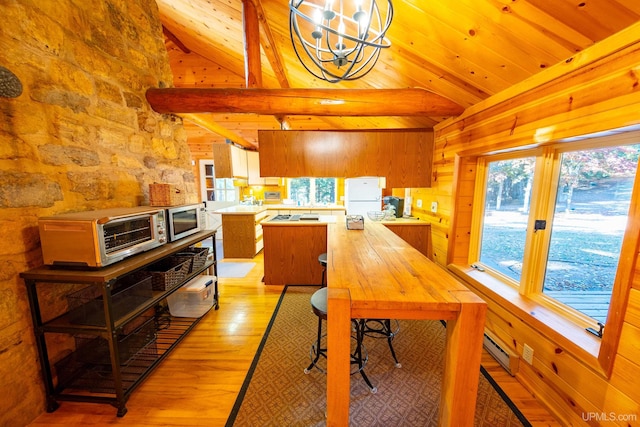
168 34
309 102
270 47
252 66
209 124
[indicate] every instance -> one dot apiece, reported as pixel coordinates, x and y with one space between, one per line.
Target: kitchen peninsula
374 274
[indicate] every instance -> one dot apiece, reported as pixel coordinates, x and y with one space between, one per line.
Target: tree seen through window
312 191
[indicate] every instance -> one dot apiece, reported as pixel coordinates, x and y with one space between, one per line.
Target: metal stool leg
384 330
322 259
390 336
319 351
357 357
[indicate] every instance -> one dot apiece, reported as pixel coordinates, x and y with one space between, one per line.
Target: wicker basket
169 273
166 195
196 256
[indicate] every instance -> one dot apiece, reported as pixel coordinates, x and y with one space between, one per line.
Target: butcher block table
373 273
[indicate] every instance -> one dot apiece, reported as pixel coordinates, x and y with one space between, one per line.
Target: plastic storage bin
193 299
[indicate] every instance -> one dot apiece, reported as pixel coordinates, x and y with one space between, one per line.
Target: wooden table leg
338 360
462 362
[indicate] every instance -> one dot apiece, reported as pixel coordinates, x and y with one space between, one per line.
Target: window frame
478 209
531 283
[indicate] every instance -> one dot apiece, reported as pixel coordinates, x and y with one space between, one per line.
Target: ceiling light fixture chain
339 40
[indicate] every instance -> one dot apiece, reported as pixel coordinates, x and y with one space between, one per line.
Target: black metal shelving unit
113 355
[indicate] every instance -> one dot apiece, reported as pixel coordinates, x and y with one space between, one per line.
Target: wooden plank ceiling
464 50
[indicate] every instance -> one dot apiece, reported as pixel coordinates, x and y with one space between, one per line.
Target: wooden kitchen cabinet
402 157
242 234
230 161
253 171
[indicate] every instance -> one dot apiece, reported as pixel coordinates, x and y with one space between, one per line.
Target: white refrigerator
362 195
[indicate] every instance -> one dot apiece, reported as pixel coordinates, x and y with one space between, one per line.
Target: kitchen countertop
241 210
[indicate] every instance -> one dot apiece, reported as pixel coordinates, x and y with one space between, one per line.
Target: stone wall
79 136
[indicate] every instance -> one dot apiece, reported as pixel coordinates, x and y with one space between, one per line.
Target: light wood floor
197 384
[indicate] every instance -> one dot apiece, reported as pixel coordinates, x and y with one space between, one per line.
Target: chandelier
340 39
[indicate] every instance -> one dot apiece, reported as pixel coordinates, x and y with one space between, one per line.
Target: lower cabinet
242 234
114 325
417 235
291 253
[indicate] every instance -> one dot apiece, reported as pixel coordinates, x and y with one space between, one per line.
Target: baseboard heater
505 357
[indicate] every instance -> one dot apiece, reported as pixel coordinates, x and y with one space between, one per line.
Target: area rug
277 392
234 269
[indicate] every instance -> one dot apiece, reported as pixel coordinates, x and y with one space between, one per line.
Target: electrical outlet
419 203
527 354
434 207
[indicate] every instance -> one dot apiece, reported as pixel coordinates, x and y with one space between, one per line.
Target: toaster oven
100 238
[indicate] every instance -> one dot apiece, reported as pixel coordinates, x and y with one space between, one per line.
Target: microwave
185 220
102 237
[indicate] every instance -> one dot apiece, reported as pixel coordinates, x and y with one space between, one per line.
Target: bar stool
322 259
359 356
376 328
381 328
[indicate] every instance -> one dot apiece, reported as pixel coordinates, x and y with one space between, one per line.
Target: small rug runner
234 269
276 392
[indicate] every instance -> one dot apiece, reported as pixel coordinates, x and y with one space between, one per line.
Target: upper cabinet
404 158
230 161
253 162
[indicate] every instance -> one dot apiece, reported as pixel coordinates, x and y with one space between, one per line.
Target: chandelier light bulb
329 14
340 46
317 18
360 14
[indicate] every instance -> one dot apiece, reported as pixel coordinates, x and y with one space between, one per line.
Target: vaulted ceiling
464 50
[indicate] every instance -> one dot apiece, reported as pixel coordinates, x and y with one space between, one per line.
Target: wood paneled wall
596 90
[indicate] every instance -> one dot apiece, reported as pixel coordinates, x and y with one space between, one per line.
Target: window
312 191
564 243
504 225
225 191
